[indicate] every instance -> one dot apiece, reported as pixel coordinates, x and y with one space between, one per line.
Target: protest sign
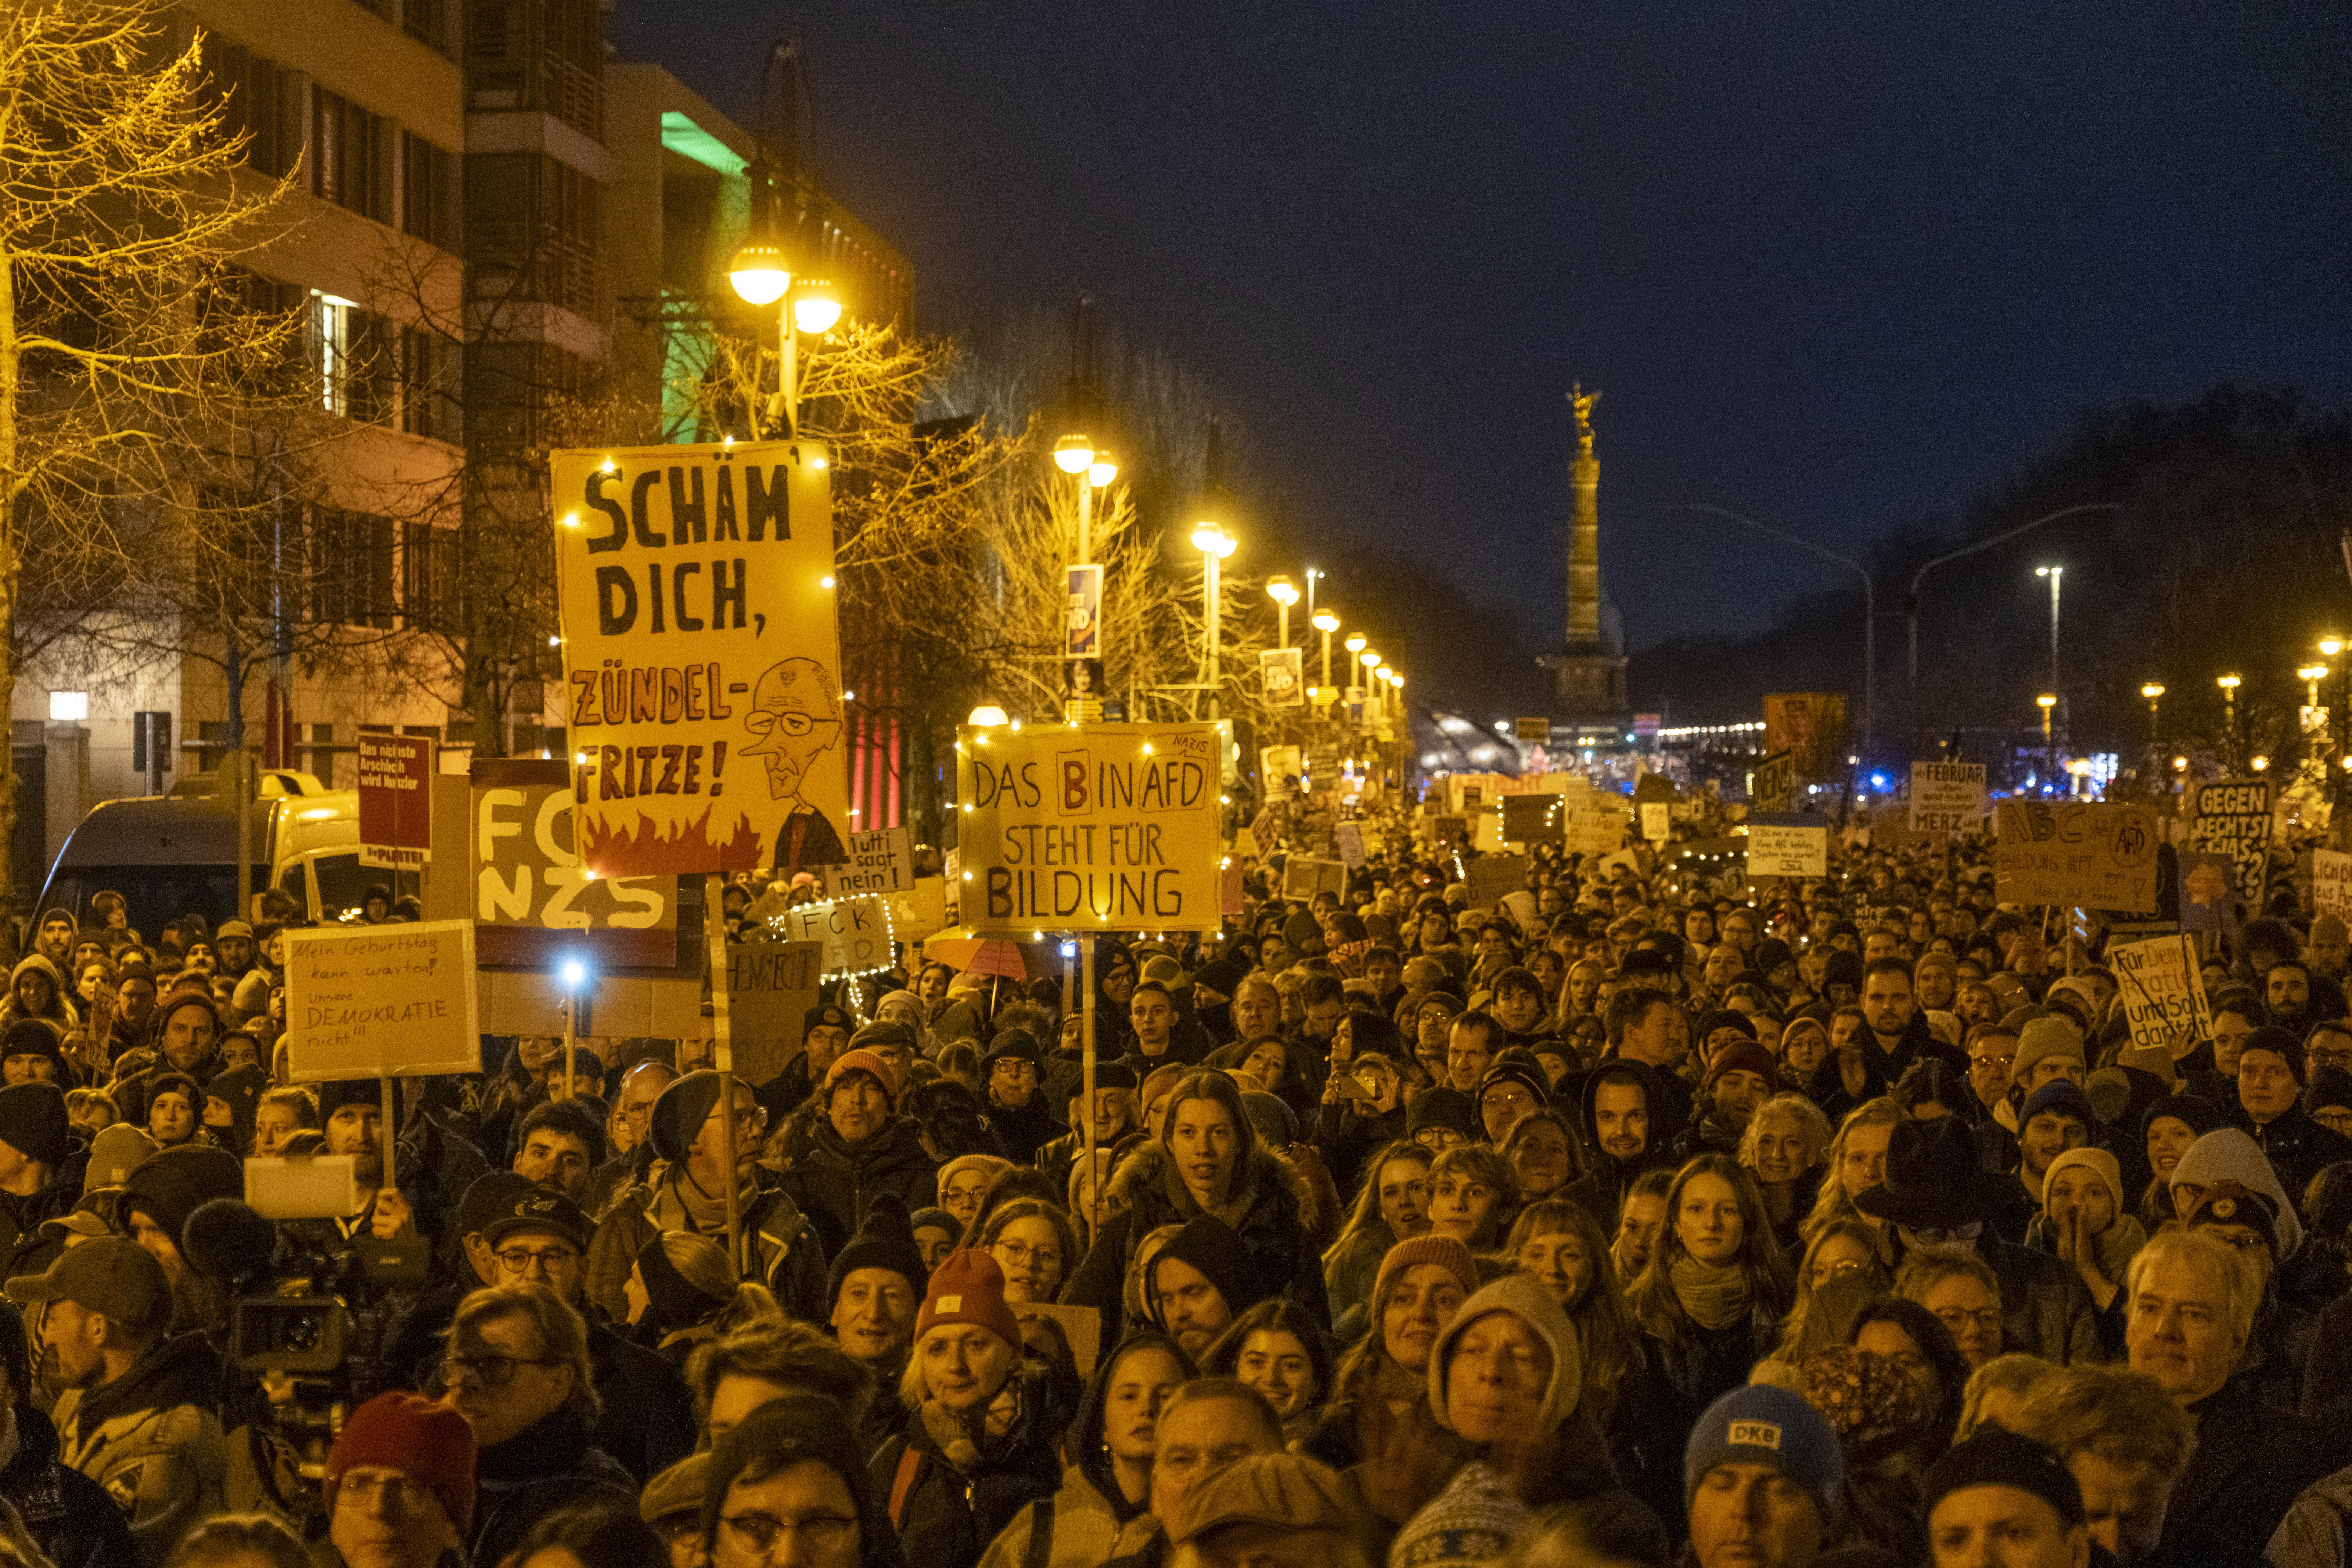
1532 732
1594 825
1350 837
1084 627
1302 879
2162 990
1279 769
2234 818
882 861
1110 827
920 911
1890 825
2076 852
770 986
702 696
1534 819
1233 891
1770 788
1657 821
1492 876
1787 847
535 902
2331 883
389 1001
395 801
1081 1326
2208 892
1284 676
1946 797
855 933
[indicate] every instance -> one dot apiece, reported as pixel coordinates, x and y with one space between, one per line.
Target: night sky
1838 267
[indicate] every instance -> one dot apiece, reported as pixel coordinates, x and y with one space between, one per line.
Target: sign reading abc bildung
1106 827
703 701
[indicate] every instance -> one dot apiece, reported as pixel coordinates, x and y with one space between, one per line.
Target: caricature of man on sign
793 719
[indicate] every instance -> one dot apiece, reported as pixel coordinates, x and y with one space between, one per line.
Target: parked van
176 854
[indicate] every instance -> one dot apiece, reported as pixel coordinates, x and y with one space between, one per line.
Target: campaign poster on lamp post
1105 828
702 688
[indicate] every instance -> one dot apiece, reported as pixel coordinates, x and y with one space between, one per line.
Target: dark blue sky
1839 267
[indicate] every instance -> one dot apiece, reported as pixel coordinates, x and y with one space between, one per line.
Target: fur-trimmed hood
1147 1171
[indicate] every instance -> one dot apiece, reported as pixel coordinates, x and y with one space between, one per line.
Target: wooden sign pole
1086 1102
723 1055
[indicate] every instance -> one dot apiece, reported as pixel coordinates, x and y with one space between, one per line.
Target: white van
176 854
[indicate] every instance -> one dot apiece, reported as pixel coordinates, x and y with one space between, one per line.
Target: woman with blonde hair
1392 1205
681 1293
1559 1244
1786 1148
1035 1245
1857 1163
1840 1275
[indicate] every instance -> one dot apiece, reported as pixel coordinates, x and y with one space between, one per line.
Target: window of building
351 563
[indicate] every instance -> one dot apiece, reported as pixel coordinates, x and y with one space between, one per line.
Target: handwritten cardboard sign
2331 883
855 933
770 986
703 690
882 861
2163 990
1302 879
2076 852
389 1001
1787 849
1108 828
1946 797
534 901
1594 825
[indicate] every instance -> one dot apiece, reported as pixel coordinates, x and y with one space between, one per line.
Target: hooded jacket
151 1437
70 1517
950 1496
1601 1190
1269 1211
1211 1246
1089 1520
786 1256
833 1180
1880 1068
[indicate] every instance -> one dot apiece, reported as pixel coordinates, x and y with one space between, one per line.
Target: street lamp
1210 538
1284 593
2047 701
2228 685
2054 573
1326 622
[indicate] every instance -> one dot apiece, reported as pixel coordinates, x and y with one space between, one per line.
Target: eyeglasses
1020 1254
758 1533
518 1259
1505 1100
489 1371
399 1493
1989 1060
641 1112
1934 1233
1959 1318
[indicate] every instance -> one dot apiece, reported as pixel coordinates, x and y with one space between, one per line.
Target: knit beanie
336 1093
114 1153
1842 968
874 1066
2228 1153
994 1165
1524 1299
885 1239
33 1121
969 1288
1215 1248
787 1431
1414 1251
2044 1037
1760 1425
34 1038
251 998
680 1112
1014 1044
1276 1125
2280 1042
2060 1095
2201 1114
172 1186
1441 1106
934 1219
1997 1457
2109 1169
1517 1066
1472 1521
1723 1018
1742 1056
1220 975
426 1441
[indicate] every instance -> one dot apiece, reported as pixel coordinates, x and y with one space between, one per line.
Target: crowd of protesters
1617 1221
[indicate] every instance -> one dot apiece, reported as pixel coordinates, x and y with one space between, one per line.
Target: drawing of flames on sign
644 849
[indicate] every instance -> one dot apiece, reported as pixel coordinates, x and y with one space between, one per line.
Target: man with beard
137 1415
187 1039
69 1517
859 1146
1740 1078
1116 1118
1621 1128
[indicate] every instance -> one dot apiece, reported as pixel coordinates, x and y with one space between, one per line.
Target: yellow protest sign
2076 852
702 690
1108 827
388 1001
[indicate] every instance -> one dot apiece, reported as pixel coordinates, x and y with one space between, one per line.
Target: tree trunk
11 490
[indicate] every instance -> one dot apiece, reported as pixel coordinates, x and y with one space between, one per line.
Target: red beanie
428 1442
969 1288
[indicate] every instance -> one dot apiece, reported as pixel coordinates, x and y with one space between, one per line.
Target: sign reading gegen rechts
702 695
1108 827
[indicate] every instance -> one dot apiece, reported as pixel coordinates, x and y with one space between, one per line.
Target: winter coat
646 1420
785 1255
948 1509
832 1180
547 1465
1089 1520
71 1518
1881 1068
1272 1211
2045 1311
1601 1191
1025 1129
2250 1463
151 1437
21 1217
2298 1148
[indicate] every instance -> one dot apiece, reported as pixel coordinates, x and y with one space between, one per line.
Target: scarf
708 1210
1714 1294
2115 1245
1394 1385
